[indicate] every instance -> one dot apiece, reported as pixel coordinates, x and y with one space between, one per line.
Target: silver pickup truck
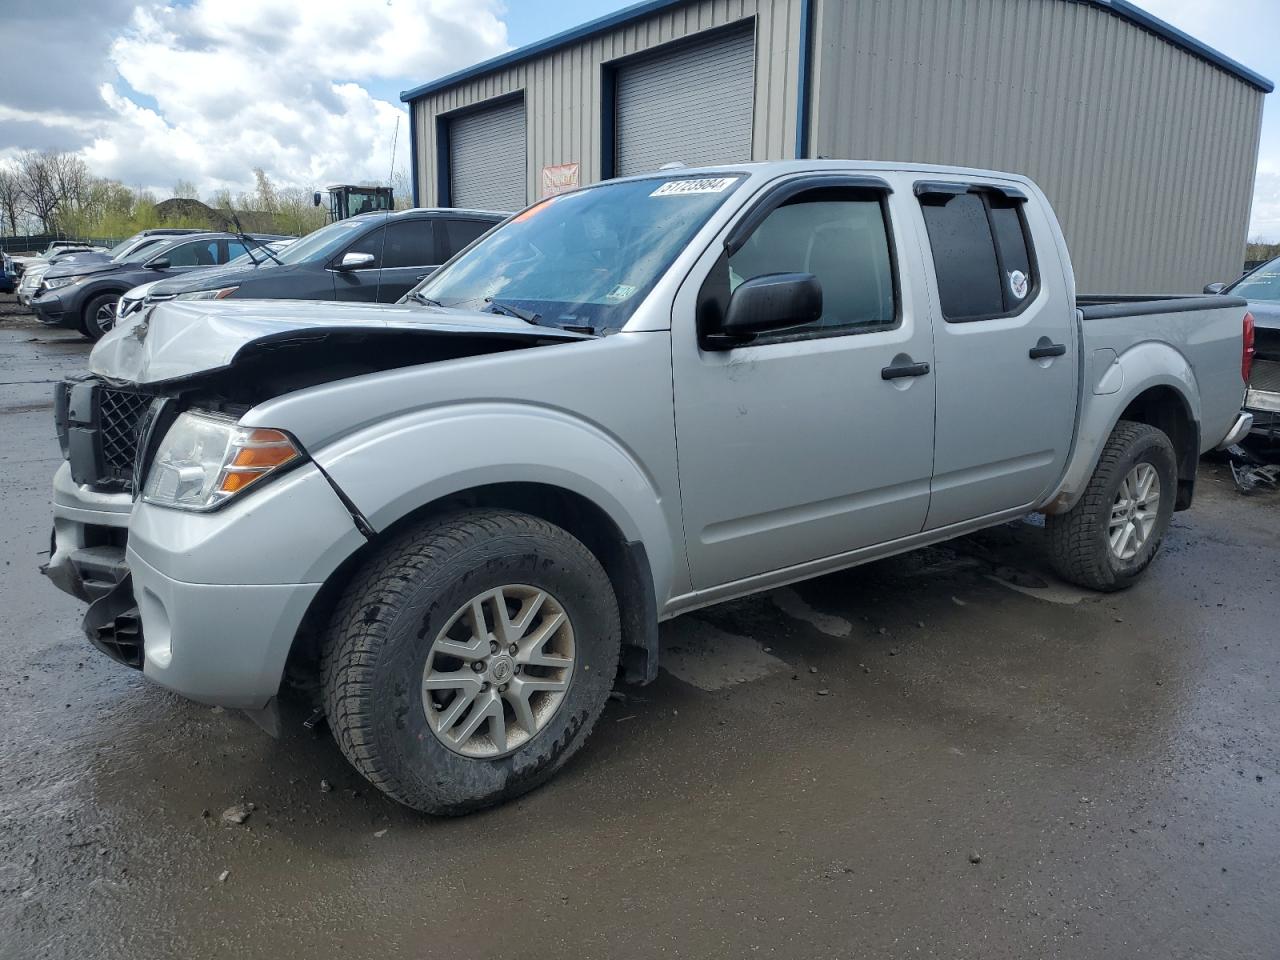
458 519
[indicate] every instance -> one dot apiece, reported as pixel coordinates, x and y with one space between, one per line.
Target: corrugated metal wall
562 88
1147 152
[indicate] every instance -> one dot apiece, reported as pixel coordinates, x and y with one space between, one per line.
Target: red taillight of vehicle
1246 355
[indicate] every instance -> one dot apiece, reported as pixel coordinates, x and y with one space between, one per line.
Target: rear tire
1112 534
403 644
99 315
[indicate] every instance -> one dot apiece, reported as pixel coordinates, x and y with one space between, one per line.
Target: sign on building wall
559 178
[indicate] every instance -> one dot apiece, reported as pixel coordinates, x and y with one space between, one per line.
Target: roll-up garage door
487 169
691 105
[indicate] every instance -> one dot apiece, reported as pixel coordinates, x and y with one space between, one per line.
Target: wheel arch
625 561
1158 387
1166 408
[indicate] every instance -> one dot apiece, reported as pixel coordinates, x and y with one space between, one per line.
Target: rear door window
982 254
202 253
454 235
409 243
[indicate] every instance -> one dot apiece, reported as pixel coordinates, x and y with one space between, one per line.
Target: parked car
1261 287
32 276
139 241
373 257
460 516
133 300
8 276
84 297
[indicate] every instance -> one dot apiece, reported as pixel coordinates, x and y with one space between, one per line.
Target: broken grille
120 415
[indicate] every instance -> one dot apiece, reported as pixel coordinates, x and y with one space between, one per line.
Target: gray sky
204 90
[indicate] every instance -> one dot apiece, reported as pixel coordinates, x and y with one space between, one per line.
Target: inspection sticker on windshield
619 293
1018 284
678 188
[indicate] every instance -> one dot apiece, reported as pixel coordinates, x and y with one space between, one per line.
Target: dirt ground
949 754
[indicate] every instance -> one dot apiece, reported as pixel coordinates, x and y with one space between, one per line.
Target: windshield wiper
421 298
241 236
528 316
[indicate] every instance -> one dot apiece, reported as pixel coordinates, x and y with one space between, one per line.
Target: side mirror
315 199
772 302
160 263
1215 288
354 261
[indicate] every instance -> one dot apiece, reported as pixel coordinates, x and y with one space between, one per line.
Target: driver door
794 447
360 284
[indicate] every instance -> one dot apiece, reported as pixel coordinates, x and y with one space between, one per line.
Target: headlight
207 294
205 460
57 283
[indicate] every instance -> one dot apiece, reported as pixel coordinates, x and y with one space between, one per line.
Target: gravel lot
948 754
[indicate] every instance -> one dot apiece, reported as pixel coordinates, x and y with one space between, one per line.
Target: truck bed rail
1097 306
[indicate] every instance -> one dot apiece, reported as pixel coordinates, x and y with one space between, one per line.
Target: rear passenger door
453 235
1005 349
813 441
408 256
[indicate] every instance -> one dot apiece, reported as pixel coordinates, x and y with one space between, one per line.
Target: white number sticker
679 188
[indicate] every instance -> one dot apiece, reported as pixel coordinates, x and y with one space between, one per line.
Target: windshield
1262 284
584 259
123 245
275 246
323 243
145 248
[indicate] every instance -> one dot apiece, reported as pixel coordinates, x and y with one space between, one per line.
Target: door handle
1042 350
897 371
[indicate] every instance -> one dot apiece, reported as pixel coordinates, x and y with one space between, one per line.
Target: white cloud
205 92
1265 221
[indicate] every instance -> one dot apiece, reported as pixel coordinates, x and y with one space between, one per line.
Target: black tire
1079 548
89 323
387 619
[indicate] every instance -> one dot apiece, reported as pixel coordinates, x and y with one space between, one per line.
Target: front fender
1108 393
392 468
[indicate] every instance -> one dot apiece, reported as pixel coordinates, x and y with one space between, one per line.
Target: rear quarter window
982 254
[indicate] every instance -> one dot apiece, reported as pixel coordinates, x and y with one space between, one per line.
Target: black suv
372 257
83 296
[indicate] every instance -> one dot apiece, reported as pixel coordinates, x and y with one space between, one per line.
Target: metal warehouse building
1145 139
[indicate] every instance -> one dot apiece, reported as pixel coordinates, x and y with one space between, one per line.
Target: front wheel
1111 536
99 315
469 659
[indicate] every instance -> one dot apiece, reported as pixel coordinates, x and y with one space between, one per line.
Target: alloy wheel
498 671
1134 512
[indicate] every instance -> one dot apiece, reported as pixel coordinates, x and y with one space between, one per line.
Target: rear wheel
1111 536
99 315
469 659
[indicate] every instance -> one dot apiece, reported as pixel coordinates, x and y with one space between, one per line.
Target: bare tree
265 196
36 183
296 214
71 179
11 208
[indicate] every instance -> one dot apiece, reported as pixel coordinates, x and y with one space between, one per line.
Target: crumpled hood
185 338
